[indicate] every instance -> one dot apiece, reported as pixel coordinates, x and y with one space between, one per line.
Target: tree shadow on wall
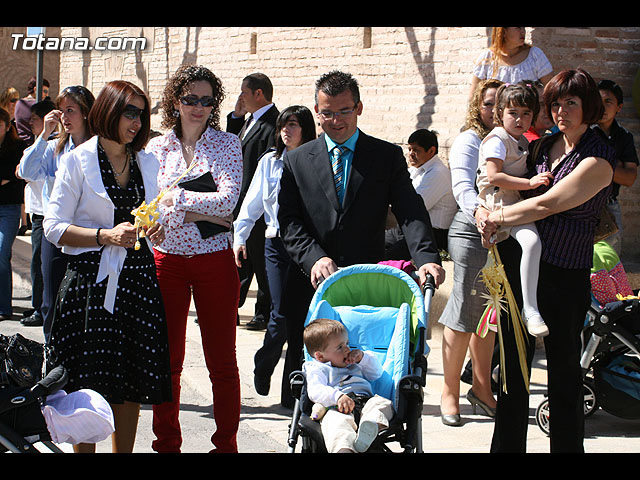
424 63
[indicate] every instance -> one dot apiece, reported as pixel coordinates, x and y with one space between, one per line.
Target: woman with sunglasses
193 260
40 163
109 329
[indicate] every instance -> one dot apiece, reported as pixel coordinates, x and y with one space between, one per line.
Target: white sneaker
535 325
367 433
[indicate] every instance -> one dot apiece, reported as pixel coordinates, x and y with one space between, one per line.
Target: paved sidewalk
604 433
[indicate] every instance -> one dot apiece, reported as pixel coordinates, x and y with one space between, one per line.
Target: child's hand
540 179
346 404
354 356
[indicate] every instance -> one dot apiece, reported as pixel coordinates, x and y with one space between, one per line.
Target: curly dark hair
176 88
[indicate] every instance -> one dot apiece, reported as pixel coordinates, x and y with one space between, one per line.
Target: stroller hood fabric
83 416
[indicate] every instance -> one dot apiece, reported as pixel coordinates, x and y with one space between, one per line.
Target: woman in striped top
566 213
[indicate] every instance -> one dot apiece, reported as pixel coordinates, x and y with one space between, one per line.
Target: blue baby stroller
384 311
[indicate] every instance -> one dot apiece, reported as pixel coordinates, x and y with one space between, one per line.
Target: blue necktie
337 165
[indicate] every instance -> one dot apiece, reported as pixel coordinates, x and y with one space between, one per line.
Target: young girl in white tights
502 174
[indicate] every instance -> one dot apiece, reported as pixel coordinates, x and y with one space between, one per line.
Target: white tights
527 237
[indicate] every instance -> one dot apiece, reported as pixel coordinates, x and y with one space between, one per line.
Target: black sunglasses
192 101
76 90
132 112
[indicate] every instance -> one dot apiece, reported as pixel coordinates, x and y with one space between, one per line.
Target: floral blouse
217 152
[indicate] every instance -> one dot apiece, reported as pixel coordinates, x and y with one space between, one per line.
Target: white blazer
79 198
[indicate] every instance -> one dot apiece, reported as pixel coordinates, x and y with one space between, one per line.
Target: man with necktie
257 134
334 218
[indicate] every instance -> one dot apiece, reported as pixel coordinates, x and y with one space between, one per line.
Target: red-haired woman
109 328
511 59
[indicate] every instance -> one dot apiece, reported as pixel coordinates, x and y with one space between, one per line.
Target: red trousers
213 279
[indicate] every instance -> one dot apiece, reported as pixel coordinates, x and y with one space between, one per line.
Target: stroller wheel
542 416
590 407
590 400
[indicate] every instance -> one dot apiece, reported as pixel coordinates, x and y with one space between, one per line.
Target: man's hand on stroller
435 270
346 404
321 270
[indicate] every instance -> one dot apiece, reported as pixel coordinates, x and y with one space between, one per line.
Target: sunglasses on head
75 89
132 112
192 101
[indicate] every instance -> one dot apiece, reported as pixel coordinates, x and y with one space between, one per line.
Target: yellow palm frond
500 296
147 215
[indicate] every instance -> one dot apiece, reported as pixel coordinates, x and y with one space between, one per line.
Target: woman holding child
565 213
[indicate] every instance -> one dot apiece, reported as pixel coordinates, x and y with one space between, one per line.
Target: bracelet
98 237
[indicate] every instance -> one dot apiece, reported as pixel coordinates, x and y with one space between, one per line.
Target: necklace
115 173
126 164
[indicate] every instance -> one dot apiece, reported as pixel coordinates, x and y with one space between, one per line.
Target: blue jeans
9 225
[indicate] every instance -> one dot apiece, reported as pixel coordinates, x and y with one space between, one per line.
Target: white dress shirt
255 116
261 198
39 163
432 181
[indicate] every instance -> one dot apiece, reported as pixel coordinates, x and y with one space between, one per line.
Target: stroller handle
429 284
615 310
54 381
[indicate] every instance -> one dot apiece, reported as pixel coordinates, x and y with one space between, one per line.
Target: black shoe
34 320
257 323
262 385
28 312
4 317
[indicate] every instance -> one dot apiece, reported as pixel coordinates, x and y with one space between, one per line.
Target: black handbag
21 361
204 183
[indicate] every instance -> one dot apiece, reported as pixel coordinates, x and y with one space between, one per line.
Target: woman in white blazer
109 328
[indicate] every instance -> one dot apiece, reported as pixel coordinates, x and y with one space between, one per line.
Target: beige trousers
339 429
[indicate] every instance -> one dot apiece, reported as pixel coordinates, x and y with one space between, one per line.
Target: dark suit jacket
314 225
260 138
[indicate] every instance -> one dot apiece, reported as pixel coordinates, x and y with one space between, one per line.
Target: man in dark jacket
257 134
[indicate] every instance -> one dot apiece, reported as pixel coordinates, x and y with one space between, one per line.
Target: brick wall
410 77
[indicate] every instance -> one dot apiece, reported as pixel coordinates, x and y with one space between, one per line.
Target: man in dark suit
332 220
257 134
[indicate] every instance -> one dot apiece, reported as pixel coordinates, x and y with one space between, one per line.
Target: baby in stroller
339 379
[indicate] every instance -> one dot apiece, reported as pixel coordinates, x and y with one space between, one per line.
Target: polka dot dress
124 355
